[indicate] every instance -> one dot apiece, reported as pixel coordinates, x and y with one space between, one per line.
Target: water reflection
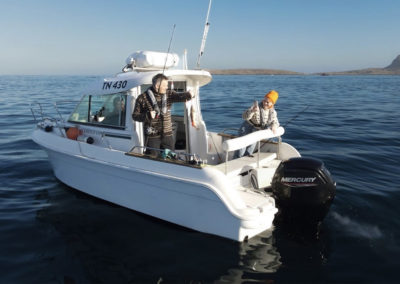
109 243
258 257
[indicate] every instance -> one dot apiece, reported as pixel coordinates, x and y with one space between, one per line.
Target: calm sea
50 233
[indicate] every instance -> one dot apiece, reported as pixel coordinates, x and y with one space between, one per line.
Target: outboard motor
303 190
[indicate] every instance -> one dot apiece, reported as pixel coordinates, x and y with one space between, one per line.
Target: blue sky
95 37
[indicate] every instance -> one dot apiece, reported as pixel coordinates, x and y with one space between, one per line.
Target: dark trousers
166 142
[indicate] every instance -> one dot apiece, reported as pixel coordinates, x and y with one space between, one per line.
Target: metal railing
228 147
49 111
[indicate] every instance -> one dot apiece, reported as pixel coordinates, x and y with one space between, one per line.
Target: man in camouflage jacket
153 108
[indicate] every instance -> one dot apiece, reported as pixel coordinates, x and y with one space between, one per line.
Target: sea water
50 233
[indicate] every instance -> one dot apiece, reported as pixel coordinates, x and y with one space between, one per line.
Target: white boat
200 186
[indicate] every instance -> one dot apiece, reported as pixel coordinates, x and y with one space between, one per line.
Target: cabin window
178 86
178 116
178 109
104 110
81 113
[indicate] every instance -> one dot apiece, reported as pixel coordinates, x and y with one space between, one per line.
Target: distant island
252 72
392 69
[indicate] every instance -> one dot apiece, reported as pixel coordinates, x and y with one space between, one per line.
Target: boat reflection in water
108 243
258 258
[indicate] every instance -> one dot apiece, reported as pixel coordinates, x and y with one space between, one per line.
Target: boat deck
254 199
237 166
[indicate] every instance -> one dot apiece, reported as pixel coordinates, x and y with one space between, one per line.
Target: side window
177 86
98 106
177 109
114 110
104 110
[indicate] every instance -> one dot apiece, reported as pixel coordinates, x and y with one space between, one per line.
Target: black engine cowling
303 189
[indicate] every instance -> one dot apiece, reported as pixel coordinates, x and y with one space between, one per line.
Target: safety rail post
258 154
58 112
33 113
279 147
103 137
226 162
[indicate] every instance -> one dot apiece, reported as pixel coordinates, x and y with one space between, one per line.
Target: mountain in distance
392 69
395 66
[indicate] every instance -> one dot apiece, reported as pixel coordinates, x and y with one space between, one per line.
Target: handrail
40 107
246 140
39 111
62 102
32 111
104 138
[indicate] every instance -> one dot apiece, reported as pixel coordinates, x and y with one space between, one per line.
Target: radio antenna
203 41
169 46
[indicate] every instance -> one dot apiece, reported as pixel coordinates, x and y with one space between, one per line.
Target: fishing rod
284 126
293 118
169 47
203 41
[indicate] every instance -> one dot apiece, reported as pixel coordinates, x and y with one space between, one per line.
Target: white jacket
261 118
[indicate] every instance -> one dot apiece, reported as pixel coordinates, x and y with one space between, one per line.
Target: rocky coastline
392 69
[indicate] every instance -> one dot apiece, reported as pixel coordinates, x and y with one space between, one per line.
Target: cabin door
196 128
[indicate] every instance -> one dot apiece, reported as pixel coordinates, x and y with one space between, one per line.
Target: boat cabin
105 111
103 118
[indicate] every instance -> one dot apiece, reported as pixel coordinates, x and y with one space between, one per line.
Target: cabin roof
128 80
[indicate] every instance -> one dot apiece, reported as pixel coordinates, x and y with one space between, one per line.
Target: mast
203 41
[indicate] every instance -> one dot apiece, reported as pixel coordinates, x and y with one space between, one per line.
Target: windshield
102 110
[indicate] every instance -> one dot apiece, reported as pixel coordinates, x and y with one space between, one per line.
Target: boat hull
187 196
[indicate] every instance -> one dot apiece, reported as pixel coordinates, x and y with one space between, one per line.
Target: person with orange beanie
259 116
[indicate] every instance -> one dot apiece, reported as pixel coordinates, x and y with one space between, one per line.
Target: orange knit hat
273 96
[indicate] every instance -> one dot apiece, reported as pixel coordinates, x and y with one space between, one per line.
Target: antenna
169 46
203 41
184 61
